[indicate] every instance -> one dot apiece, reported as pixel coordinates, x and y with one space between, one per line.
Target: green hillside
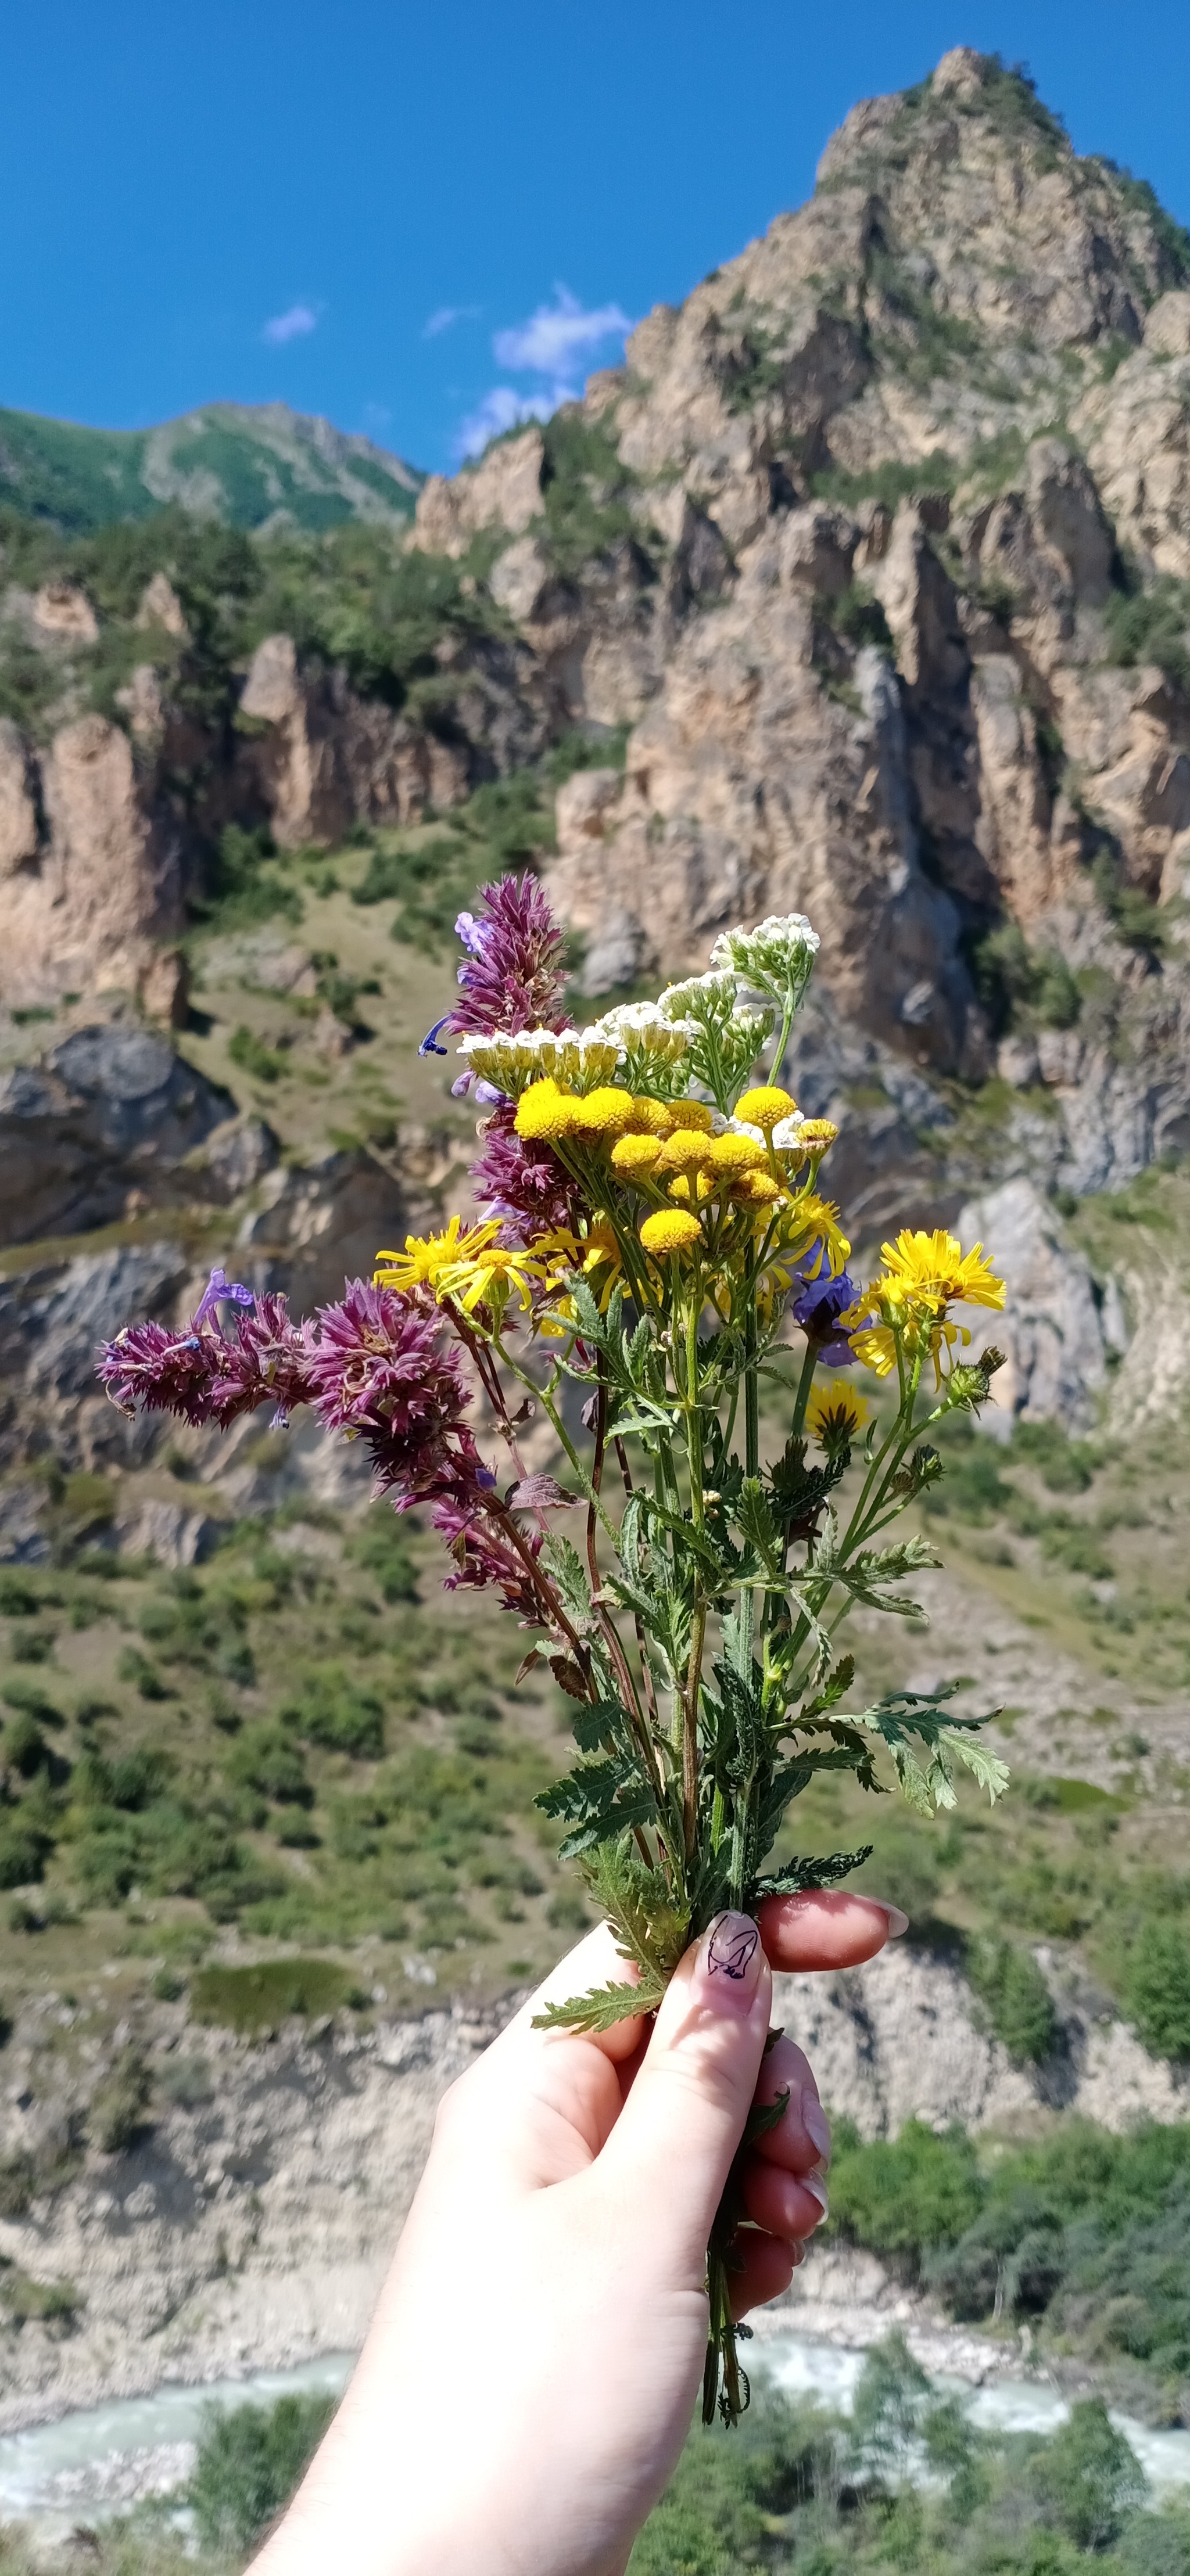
245 465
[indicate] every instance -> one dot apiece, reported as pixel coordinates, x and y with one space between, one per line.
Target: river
99 2460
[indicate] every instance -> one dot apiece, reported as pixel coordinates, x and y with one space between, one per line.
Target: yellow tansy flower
546 1111
757 1189
691 1113
732 1154
669 1230
683 1151
635 1155
818 1133
765 1105
651 1118
603 1113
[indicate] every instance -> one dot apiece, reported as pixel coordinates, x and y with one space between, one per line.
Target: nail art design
732 1948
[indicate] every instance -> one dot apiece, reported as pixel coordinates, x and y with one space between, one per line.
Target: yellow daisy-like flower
489 1277
694 1185
683 1151
691 1113
603 1113
635 1156
818 1133
669 1230
546 1111
731 1154
813 1223
765 1105
426 1256
835 1416
933 1269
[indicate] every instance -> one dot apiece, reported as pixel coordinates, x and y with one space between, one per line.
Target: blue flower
817 1306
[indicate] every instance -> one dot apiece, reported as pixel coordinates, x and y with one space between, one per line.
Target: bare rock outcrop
108 1111
92 866
502 491
1051 1331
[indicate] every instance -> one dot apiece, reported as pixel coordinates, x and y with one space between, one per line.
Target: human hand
529 2377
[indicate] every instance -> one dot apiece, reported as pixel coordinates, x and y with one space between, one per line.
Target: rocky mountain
876 552
248 465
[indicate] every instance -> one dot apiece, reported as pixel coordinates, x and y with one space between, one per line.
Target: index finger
827 1928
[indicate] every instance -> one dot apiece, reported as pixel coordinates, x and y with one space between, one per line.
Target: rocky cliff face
250 2223
876 550
897 484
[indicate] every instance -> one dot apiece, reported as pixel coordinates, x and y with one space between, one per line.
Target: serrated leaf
991 1773
799 1876
602 2007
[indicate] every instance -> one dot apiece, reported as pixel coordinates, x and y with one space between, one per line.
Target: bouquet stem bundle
651 1228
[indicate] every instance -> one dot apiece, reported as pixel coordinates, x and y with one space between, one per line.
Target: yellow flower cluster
906 1305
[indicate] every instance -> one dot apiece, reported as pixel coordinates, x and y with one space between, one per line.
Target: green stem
804 1384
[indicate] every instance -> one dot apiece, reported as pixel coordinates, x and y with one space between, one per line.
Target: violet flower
817 1307
219 1287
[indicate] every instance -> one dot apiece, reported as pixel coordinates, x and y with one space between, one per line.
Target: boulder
110 1109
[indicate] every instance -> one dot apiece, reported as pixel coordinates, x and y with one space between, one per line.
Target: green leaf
798 1875
601 2008
570 1576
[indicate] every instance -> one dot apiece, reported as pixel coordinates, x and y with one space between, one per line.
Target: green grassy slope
230 461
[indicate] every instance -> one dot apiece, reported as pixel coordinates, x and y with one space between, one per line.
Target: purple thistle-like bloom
154 1369
378 1372
511 976
817 1307
519 1180
265 1360
203 1374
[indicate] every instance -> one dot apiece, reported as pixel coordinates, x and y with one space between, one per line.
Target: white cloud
552 345
503 409
292 325
446 317
555 338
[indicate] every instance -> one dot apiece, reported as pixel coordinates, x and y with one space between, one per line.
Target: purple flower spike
379 1374
521 1182
219 1286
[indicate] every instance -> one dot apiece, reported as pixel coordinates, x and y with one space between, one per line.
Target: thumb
668 2156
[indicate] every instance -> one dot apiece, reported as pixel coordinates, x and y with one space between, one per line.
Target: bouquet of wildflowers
651 1226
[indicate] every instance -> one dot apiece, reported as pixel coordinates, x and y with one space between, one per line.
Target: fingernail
815 2184
816 2125
897 1922
731 1959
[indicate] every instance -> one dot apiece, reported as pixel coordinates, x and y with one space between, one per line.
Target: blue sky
417 219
